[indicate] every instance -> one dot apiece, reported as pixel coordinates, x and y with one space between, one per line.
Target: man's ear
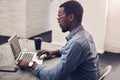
71 17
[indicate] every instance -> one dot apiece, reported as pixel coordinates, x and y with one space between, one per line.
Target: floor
105 59
112 59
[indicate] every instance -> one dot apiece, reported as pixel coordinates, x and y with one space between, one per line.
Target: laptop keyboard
27 56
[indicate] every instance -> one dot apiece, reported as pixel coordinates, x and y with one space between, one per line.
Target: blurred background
30 18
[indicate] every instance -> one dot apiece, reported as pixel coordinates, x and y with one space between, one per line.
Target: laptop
19 54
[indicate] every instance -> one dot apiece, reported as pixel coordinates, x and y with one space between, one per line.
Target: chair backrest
105 71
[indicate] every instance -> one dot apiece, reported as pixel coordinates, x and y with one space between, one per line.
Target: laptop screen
15 46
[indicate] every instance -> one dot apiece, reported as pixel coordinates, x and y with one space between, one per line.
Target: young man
79 59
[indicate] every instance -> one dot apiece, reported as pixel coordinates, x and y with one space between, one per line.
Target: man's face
63 20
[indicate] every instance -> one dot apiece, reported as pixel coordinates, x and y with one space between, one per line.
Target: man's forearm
57 53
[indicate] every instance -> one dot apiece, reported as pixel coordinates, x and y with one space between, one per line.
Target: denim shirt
79 59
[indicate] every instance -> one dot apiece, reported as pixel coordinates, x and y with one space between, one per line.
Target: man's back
84 57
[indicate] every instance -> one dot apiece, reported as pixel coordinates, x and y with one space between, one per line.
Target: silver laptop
19 54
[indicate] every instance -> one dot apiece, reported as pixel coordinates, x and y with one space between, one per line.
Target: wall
112 41
38 17
12 17
27 18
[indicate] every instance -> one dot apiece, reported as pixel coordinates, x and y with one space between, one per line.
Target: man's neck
73 26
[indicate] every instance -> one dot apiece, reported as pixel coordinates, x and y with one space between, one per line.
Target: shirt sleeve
69 61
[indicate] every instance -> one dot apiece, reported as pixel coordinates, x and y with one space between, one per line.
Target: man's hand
48 53
42 52
23 64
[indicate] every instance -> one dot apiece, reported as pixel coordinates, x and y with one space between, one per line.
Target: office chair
105 71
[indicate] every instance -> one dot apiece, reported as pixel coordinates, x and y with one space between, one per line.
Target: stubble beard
65 29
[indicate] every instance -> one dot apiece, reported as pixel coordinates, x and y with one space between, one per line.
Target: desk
7 59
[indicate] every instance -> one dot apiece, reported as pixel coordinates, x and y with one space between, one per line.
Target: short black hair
75 8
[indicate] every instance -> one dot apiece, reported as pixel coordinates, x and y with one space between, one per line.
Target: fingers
42 57
23 64
44 54
41 52
19 64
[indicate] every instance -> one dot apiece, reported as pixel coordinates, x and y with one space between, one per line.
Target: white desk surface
7 59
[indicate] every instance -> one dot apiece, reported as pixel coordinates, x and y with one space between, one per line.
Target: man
79 59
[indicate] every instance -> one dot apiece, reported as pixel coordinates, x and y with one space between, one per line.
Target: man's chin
64 31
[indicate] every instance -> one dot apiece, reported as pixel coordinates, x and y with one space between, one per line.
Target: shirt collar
74 31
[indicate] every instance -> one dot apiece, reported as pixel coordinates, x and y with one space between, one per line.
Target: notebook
19 54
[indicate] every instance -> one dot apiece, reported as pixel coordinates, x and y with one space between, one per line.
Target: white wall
27 18
12 17
112 41
94 20
38 17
